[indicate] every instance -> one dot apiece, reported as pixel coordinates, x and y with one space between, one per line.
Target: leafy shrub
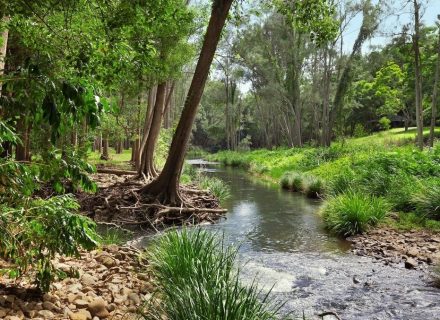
197 279
385 123
314 187
67 171
353 213
31 236
427 201
359 131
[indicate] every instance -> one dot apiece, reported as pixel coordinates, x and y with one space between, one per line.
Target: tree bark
146 128
3 50
105 155
21 153
434 94
148 168
168 105
418 76
166 186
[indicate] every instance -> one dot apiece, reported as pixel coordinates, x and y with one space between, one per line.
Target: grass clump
353 213
216 186
427 200
292 181
197 279
314 187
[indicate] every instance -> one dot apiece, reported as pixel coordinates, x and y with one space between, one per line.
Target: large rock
88 280
411 263
80 315
98 308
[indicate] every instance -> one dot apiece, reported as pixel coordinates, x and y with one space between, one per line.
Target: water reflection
265 218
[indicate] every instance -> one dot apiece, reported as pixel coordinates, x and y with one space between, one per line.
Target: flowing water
283 243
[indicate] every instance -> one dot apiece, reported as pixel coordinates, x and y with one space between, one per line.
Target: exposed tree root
123 204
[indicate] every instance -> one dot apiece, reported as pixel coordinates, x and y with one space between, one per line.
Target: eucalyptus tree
435 90
166 186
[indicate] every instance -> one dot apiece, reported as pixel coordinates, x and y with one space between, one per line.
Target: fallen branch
322 315
117 172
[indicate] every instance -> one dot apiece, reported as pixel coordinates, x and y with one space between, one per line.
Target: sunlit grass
197 278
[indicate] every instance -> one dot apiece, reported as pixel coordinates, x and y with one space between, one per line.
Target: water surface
283 242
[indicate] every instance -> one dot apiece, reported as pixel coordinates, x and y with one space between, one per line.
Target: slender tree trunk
434 94
146 129
418 77
3 50
22 131
148 168
168 105
105 155
166 186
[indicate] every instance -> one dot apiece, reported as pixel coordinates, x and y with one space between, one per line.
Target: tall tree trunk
3 50
434 94
21 154
418 76
105 155
148 168
369 25
146 128
166 186
168 105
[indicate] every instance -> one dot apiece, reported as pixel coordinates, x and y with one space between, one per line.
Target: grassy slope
358 153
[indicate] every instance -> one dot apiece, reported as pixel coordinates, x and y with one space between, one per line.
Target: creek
285 248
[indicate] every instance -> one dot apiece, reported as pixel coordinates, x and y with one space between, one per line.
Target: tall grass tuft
293 181
427 201
197 279
216 186
314 187
353 213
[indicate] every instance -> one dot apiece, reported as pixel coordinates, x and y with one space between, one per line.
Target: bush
31 236
385 123
314 187
353 213
197 279
427 201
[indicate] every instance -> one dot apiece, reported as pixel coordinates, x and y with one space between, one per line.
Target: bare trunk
418 77
105 155
166 186
147 126
148 168
168 106
21 153
3 50
434 94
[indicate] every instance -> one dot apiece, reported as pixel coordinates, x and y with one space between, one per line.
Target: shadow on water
283 242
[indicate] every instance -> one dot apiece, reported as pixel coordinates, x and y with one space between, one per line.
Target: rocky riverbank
109 283
413 249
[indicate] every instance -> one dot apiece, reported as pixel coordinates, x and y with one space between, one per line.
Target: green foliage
67 167
216 186
314 187
385 123
359 131
32 235
427 200
352 213
293 181
197 279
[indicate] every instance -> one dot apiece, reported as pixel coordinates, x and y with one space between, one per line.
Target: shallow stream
282 241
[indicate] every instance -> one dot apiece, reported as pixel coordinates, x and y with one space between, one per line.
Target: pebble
107 287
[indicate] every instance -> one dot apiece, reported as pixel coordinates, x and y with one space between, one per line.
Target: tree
435 92
418 75
166 186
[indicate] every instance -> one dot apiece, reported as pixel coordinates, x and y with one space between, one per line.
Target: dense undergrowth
197 279
384 169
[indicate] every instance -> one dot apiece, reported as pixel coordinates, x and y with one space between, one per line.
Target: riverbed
283 244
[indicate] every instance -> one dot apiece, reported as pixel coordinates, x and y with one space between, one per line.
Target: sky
392 24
